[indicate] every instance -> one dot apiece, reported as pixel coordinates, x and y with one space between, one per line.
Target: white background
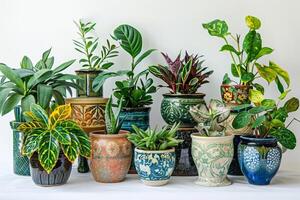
32 26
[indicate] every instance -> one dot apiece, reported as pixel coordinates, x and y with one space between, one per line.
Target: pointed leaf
39 113
72 150
12 76
31 143
60 113
11 102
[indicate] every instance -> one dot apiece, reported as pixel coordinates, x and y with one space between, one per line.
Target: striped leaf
31 143
61 134
85 145
71 150
60 113
39 113
26 127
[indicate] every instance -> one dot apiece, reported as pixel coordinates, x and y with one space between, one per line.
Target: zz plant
112 122
154 140
48 135
183 76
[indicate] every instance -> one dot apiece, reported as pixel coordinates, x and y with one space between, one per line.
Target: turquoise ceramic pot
154 167
137 116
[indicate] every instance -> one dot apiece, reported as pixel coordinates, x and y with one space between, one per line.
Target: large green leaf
11 102
130 39
39 113
26 102
285 137
268 103
4 92
263 51
266 73
258 121
48 151
63 66
31 143
217 28
26 63
280 71
241 120
12 76
143 56
39 77
61 134
102 77
252 45
72 150
44 95
292 105
256 110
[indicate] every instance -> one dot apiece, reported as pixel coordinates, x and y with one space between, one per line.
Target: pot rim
194 96
234 85
252 138
155 151
216 138
86 100
94 71
103 134
147 108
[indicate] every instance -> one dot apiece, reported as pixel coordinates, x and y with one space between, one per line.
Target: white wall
30 27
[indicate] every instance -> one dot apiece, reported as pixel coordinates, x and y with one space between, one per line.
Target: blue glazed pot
154 167
137 116
259 159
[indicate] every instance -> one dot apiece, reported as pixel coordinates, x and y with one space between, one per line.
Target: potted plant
154 154
20 88
212 150
111 151
52 142
259 154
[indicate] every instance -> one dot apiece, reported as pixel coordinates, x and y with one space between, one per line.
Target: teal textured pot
137 116
86 83
175 108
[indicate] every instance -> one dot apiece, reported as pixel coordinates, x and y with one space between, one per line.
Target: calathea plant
183 76
112 122
210 118
37 83
48 135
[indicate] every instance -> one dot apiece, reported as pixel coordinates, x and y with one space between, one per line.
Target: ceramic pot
212 156
259 159
175 108
137 116
111 156
184 165
86 83
89 114
235 94
58 176
154 167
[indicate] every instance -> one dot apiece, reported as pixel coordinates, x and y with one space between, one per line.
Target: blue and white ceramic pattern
154 167
259 159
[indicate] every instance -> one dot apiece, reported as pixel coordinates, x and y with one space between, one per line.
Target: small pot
212 156
111 156
175 108
86 83
137 116
235 94
58 176
154 167
259 159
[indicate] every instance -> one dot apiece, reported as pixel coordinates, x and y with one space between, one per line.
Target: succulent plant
112 121
182 76
210 118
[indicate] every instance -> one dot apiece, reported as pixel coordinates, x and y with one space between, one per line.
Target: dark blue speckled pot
137 116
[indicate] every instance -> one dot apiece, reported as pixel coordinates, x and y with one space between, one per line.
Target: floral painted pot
86 83
235 94
137 116
154 167
88 112
212 156
184 165
175 108
110 156
58 176
259 159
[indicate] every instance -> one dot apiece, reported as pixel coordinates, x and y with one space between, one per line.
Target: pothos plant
112 119
183 76
48 135
245 54
268 118
39 83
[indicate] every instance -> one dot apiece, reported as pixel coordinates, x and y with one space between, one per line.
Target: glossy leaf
285 137
39 113
266 73
31 143
258 121
252 45
263 51
241 120
44 95
255 96
28 126
143 56
292 105
268 103
26 102
63 66
229 48
217 28
26 63
72 150
256 110
61 134
62 112
280 71
253 22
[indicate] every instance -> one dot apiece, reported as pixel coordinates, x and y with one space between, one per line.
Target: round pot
235 94
212 156
175 108
110 157
137 116
58 176
154 167
259 159
86 83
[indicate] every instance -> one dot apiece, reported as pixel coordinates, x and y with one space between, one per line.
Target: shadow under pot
212 156
154 167
235 94
110 156
259 159
86 83
175 108
58 176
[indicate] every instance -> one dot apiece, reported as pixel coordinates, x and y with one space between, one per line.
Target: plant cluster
37 83
210 118
183 76
48 135
153 139
267 118
112 121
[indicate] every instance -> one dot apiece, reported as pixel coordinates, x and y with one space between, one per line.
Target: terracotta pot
235 94
111 156
87 77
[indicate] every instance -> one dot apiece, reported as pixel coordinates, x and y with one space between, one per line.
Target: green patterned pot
86 83
212 156
175 108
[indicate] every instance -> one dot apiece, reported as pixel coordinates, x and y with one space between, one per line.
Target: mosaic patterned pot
154 167
235 94
86 83
259 159
111 156
212 156
137 116
175 108
89 114
58 176
184 165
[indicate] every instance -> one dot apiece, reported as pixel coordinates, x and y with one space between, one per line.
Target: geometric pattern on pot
235 94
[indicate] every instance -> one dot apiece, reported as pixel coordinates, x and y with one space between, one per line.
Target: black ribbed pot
58 176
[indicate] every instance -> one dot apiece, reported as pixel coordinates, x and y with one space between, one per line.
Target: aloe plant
183 76
37 83
154 140
210 118
48 135
112 121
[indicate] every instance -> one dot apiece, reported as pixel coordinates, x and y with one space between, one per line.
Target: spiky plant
112 121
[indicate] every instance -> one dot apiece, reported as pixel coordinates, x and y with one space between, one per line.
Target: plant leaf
281 72
255 96
12 76
26 63
241 120
31 143
71 150
26 102
44 95
292 105
62 112
143 56
259 120
63 66
252 22
11 102
39 113
252 45
285 137
264 51
217 28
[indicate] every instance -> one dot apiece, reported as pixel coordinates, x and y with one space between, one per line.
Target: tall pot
86 82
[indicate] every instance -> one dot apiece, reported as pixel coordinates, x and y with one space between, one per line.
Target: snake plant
112 122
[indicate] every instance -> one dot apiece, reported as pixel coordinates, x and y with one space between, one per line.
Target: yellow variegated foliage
60 113
27 126
256 96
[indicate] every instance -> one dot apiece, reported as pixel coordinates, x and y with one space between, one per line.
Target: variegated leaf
39 113
60 113
28 126
85 145
31 143
71 150
61 134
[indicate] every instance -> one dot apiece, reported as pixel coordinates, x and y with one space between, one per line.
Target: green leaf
3 96
26 102
61 134
71 150
284 94
253 22
26 63
143 56
279 85
102 77
264 51
39 113
292 105
85 145
257 110
228 47
63 66
226 79
10 103
252 45
247 77
277 123
217 28
266 73
241 120
31 143
255 96
110 120
46 55
12 76
44 95
259 87
130 39
234 71
107 65
285 137
268 103
280 72
39 77
259 120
